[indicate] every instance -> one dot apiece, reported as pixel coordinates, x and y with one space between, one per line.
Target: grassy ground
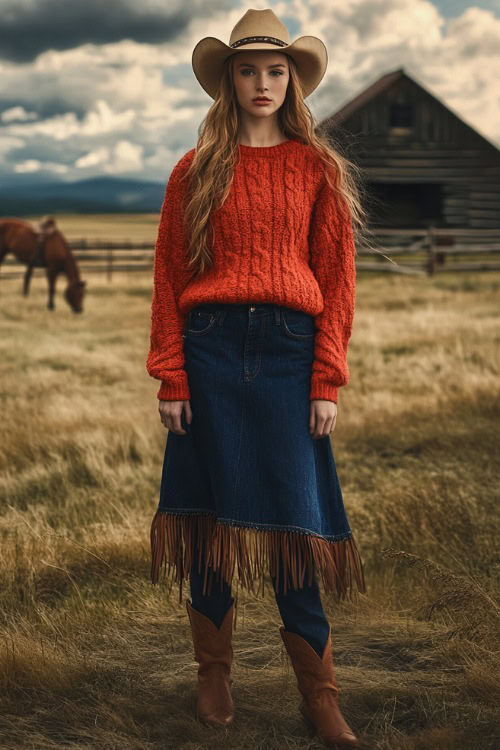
93 656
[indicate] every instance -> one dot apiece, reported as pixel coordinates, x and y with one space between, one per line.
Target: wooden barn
421 164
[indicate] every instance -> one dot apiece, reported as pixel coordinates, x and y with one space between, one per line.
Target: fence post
431 252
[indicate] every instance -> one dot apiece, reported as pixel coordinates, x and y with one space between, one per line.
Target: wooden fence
432 250
404 251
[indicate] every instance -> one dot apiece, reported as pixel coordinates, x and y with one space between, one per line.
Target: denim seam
259 356
240 437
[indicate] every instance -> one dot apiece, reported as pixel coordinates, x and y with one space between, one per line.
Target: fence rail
432 250
405 251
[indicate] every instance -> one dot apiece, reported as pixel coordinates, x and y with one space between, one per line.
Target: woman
251 315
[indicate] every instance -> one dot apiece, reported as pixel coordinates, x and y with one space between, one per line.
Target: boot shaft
313 673
214 653
212 645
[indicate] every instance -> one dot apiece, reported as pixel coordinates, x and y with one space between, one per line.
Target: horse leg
36 259
51 277
3 253
27 278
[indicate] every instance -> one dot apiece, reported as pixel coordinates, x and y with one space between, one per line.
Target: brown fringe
253 552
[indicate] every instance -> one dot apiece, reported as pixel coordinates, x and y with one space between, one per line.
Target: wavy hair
210 173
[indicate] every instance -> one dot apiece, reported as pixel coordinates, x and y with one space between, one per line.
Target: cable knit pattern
280 237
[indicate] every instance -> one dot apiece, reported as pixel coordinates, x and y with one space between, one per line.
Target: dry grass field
93 656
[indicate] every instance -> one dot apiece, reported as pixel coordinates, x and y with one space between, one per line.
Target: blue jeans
301 609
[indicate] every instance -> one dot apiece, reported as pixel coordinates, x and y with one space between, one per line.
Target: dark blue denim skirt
248 482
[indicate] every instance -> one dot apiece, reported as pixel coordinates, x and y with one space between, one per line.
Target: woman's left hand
322 418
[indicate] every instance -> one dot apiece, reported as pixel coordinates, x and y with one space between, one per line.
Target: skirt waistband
243 308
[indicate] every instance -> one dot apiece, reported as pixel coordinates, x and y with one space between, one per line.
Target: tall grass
92 655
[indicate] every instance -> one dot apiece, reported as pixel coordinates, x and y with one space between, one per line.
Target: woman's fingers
322 418
171 415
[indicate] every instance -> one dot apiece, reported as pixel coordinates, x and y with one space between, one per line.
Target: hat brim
309 53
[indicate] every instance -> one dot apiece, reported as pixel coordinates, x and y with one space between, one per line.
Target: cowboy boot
316 684
214 653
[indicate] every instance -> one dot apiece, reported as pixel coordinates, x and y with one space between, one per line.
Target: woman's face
260 73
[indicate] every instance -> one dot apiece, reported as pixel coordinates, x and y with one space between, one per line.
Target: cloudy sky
106 88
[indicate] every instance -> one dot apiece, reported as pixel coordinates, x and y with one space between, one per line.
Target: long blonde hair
210 173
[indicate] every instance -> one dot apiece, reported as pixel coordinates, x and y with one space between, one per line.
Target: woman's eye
247 70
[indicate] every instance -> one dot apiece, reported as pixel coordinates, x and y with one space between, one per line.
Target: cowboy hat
259 30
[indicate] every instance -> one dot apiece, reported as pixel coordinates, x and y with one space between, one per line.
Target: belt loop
277 315
222 315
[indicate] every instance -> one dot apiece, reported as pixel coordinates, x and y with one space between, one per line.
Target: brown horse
43 246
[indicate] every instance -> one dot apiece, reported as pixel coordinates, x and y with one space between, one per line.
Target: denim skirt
247 483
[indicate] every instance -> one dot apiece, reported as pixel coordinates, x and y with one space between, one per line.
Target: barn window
401 115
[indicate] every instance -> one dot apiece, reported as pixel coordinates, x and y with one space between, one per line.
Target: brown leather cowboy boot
214 653
316 684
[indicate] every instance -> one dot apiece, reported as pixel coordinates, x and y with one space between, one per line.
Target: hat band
250 39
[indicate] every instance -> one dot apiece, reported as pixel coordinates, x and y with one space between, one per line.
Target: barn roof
384 83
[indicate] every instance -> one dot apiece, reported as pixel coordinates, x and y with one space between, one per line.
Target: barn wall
437 147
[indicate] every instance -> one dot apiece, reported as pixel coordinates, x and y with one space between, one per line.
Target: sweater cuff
177 390
326 391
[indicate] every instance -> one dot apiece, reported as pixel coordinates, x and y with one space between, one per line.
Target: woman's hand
170 415
322 417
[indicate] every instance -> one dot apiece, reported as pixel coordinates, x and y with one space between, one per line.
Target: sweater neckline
267 150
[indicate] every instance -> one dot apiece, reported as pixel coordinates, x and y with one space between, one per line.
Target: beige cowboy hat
259 30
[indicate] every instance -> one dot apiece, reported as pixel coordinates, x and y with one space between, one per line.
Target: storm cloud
115 93
30 27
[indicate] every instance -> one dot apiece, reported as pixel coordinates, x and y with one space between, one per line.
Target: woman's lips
262 101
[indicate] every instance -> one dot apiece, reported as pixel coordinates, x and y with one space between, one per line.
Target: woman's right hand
170 415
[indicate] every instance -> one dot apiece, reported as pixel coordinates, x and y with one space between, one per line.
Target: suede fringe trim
253 552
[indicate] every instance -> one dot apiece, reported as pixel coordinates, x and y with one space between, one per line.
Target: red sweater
280 238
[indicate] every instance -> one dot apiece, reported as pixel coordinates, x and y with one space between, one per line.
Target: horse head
58 256
74 293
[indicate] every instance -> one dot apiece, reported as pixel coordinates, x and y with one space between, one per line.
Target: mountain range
94 195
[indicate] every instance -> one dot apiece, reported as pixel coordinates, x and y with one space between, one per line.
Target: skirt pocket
297 324
200 322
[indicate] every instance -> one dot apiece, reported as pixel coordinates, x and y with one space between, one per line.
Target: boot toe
341 741
219 718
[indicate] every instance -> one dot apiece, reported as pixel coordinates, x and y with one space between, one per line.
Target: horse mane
70 263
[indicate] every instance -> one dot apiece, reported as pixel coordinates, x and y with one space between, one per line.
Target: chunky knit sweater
282 236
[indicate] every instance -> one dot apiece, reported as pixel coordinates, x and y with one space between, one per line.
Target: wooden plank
474 266
82 244
447 153
467 250
391 268
90 269
427 161
435 174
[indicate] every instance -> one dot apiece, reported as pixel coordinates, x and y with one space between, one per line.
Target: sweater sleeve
165 360
332 261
